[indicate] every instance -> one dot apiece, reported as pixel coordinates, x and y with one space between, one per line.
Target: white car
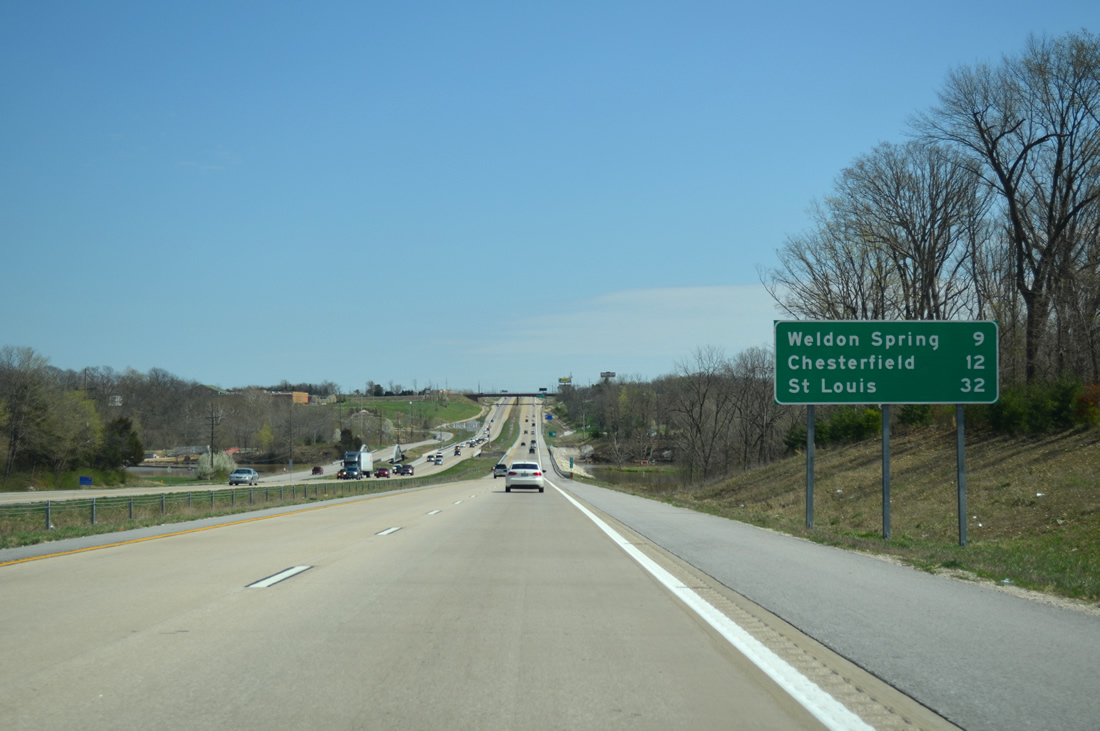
244 476
523 474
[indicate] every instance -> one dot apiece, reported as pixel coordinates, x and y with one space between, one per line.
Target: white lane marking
823 706
282 575
458 502
388 531
434 512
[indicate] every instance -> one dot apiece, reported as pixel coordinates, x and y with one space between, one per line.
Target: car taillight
538 474
512 474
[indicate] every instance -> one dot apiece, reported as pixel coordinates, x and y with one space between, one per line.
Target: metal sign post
810 466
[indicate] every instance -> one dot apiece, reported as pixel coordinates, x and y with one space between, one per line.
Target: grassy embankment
404 413
1033 505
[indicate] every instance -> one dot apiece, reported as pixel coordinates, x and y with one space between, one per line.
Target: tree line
713 415
56 420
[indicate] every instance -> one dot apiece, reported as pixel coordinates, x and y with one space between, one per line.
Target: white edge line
388 531
823 706
281 576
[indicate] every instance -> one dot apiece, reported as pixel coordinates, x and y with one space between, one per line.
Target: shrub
795 439
1039 408
1086 406
846 424
915 415
852 424
222 466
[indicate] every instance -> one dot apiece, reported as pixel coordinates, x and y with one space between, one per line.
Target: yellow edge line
185 532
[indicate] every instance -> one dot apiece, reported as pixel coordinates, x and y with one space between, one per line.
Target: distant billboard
567 379
607 374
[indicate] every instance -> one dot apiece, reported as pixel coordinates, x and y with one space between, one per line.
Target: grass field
456 408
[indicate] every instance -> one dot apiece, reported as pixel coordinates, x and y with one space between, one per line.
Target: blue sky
470 194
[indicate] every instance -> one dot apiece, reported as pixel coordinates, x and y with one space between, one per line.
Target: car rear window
524 466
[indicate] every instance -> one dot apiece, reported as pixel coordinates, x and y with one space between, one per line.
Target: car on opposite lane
524 474
244 476
381 472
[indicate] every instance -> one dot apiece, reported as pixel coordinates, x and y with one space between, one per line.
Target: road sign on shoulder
886 362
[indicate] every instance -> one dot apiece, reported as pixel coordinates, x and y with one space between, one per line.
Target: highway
461 606
450 607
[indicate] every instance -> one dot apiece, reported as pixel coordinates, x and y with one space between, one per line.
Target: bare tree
924 209
703 405
1030 129
756 430
832 272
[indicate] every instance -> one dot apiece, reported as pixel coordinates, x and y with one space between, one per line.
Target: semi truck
361 460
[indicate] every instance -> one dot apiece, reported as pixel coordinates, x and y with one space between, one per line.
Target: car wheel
540 489
507 489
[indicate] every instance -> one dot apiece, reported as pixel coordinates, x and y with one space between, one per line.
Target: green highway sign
886 362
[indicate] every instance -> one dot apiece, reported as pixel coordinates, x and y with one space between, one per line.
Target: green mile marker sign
886 362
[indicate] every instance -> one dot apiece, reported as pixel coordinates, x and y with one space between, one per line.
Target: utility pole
214 419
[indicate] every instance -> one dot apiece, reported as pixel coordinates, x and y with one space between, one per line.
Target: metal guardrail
124 509
52 514
557 469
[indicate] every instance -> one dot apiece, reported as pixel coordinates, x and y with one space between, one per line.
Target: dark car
382 472
318 470
403 469
349 473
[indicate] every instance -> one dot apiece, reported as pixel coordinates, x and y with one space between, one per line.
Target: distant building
296 397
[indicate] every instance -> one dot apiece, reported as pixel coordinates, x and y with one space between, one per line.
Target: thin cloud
642 323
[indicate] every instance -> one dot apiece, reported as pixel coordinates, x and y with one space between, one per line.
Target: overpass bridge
508 394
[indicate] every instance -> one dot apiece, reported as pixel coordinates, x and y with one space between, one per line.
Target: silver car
244 476
523 474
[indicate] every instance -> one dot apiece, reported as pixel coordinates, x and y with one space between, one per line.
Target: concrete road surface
450 607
